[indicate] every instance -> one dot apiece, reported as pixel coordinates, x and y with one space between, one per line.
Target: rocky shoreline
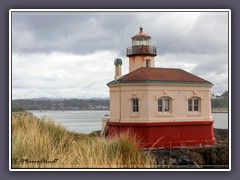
212 156
209 157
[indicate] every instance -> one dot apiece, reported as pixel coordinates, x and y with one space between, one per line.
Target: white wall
121 105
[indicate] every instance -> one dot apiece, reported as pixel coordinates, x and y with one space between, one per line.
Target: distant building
166 107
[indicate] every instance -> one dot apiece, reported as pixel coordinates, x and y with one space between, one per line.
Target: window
135 105
160 105
148 63
164 104
190 105
193 104
166 100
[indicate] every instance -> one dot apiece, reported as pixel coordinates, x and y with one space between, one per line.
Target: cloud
71 54
78 34
62 75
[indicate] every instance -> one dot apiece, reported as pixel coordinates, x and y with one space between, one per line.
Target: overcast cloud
71 54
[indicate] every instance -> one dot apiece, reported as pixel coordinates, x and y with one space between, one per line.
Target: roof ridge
161 74
161 68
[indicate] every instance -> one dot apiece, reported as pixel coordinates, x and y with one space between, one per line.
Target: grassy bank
44 144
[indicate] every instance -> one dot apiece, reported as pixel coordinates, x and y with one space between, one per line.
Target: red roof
161 74
141 33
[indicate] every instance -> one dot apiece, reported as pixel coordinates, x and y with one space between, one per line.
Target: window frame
135 105
160 105
194 104
164 104
148 64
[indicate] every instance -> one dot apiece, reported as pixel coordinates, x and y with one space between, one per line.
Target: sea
87 121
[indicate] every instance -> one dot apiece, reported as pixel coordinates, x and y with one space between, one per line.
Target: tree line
65 104
220 101
92 104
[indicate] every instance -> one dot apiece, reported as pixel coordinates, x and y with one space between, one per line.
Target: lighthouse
165 107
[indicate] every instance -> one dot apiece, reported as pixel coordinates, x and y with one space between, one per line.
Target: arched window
194 104
164 104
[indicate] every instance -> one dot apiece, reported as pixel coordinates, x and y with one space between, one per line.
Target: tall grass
40 143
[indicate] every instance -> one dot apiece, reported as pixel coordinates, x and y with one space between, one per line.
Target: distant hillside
219 104
61 104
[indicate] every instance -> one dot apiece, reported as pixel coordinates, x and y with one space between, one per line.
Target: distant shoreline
213 111
220 110
69 110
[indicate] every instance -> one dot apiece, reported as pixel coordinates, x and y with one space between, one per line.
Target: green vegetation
63 104
220 102
18 109
40 143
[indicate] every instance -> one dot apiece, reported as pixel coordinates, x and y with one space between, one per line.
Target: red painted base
168 134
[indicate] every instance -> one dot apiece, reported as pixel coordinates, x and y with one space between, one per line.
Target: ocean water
88 121
220 120
78 121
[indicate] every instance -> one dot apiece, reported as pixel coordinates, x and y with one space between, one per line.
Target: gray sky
71 54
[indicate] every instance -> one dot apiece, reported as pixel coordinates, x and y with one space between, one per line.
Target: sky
71 54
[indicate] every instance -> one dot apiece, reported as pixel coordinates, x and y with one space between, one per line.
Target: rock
172 161
211 156
183 160
198 157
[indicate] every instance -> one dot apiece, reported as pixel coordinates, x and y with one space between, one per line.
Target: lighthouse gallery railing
141 50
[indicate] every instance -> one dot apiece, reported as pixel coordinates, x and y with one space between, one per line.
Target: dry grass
34 142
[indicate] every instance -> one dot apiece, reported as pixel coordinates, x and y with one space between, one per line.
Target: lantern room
141 39
141 45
